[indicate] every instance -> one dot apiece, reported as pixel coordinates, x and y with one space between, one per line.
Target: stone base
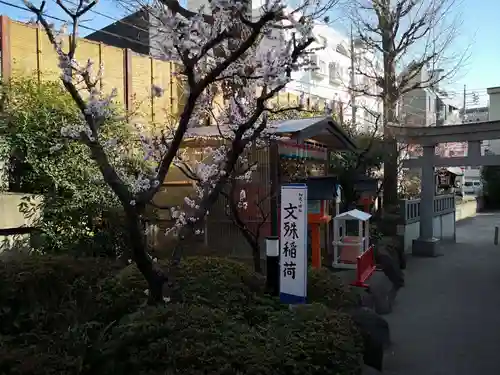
427 247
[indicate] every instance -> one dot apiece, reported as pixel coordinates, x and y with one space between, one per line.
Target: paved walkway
446 320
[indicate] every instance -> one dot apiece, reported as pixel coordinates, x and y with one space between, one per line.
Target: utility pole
439 118
352 79
465 103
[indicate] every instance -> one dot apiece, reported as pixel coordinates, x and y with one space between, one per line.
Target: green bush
65 316
41 353
311 340
43 293
215 282
79 212
323 286
228 284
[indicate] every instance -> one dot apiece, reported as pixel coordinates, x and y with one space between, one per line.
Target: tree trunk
257 266
153 274
390 99
390 181
252 240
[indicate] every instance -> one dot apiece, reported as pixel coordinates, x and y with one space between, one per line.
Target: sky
479 31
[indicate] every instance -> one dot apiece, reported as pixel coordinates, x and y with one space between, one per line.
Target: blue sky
479 33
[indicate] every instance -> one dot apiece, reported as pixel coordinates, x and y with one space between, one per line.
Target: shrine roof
354 215
324 130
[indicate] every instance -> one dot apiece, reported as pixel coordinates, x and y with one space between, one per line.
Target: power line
82 26
92 10
330 87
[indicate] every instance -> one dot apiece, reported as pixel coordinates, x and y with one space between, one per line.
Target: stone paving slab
446 320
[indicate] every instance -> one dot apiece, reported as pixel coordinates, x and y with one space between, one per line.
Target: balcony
320 70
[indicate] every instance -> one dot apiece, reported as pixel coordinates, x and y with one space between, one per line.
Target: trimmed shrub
323 286
311 340
45 293
185 339
38 353
216 282
61 316
227 284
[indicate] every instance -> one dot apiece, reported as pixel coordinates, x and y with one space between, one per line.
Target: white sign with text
293 244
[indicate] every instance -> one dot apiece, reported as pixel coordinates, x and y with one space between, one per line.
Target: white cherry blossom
229 51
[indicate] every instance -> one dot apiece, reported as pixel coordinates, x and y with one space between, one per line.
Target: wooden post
361 237
367 235
315 245
127 80
336 239
273 158
6 60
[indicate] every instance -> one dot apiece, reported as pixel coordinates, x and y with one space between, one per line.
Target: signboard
293 244
314 207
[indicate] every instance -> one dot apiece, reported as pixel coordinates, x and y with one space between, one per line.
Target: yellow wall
32 53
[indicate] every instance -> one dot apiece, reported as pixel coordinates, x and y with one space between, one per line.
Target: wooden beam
485 160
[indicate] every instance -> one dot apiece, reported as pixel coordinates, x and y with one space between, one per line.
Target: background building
339 61
429 105
476 114
329 84
133 32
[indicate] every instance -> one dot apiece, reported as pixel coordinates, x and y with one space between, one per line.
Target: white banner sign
293 244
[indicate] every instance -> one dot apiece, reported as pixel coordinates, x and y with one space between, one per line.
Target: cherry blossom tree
214 52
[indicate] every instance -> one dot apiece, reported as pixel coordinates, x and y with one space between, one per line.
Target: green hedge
86 316
325 287
215 282
310 340
220 282
46 293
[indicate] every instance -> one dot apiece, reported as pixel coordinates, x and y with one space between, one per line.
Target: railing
410 208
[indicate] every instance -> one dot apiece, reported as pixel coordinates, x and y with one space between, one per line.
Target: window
468 183
333 73
322 67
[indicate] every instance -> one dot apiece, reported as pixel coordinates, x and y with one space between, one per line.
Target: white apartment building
331 81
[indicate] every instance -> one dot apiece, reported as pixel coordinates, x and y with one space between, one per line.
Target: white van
472 187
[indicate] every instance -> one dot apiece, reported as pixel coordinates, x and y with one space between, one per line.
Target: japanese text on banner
293 244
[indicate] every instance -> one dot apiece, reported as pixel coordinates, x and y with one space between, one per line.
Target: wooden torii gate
428 138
